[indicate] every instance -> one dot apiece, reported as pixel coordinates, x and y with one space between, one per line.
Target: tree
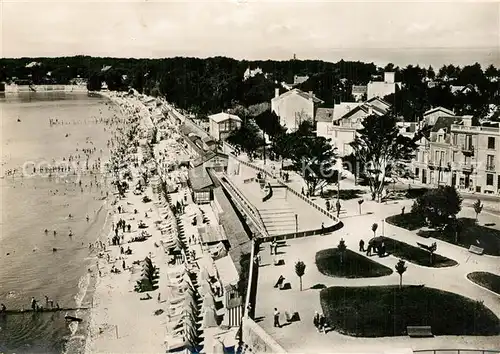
378 145
315 160
342 248
300 269
439 206
94 83
360 202
374 228
400 269
478 207
432 250
247 138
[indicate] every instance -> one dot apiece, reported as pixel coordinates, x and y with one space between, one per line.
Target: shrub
438 205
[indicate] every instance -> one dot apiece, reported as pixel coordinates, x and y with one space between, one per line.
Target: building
359 92
456 153
297 80
222 124
294 106
341 129
475 157
382 88
202 184
462 89
433 114
252 72
211 159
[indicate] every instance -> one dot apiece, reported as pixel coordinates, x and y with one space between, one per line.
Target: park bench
419 331
281 243
476 250
249 180
292 317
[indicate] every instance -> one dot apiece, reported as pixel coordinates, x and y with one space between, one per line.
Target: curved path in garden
303 337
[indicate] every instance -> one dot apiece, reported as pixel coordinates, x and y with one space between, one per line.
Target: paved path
302 336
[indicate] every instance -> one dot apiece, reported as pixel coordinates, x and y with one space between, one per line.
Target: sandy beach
123 320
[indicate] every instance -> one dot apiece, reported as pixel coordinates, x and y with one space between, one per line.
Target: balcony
490 167
468 149
467 167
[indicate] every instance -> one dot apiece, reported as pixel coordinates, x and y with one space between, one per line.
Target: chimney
370 110
311 95
276 92
467 120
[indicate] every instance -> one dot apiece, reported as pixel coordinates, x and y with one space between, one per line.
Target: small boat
73 318
54 249
18 120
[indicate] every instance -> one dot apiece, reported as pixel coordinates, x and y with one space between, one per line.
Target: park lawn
408 221
415 254
471 234
487 280
382 311
354 265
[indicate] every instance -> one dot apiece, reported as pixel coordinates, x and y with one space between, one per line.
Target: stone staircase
278 216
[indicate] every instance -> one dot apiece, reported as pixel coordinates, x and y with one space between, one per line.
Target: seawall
44 88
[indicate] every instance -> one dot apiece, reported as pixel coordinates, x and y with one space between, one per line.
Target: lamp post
296 223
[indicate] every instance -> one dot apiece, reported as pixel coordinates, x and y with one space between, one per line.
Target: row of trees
205 86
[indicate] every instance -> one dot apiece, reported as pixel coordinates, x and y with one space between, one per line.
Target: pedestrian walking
271 248
123 265
159 297
316 320
322 323
276 318
361 245
338 208
322 228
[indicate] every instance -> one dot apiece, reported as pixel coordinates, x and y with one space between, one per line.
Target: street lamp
296 223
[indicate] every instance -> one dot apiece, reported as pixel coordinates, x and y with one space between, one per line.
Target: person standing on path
338 208
361 245
322 323
276 318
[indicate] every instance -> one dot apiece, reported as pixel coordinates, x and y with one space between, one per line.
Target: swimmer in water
70 233
46 231
70 216
88 218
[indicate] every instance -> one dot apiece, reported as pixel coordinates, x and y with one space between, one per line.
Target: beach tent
208 301
209 318
218 347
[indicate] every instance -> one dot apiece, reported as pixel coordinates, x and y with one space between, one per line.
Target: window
417 170
454 156
436 159
454 137
491 142
442 156
489 179
440 138
489 162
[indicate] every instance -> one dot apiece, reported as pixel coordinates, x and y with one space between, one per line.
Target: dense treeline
209 85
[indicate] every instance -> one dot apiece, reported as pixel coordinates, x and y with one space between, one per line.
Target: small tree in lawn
342 248
478 207
361 201
401 268
300 269
432 250
374 228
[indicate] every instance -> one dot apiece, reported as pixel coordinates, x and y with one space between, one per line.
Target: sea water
28 265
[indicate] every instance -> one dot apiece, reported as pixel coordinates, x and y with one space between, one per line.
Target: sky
246 29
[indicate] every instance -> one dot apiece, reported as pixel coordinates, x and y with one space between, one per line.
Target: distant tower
294 56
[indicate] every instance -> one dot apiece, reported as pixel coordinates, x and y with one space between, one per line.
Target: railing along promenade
248 207
457 351
337 223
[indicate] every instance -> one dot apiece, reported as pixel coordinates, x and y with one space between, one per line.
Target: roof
377 98
228 274
441 109
222 116
207 156
211 234
365 108
301 94
445 122
199 178
343 108
208 139
359 89
239 241
324 115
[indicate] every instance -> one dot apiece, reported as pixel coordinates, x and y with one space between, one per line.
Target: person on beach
123 265
33 304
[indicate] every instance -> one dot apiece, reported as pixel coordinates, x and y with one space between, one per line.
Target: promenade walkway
302 337
283 210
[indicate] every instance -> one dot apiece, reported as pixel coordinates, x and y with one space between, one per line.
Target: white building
382 88
294 106
222 124
252 72
342 126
